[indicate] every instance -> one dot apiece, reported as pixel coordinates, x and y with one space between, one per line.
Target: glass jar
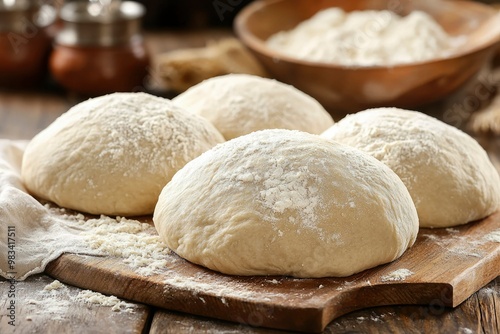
24 42
100 50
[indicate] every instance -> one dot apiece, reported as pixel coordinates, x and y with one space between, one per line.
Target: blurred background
191 13
199 13
54 50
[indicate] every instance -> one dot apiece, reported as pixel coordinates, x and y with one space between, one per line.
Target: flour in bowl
366 38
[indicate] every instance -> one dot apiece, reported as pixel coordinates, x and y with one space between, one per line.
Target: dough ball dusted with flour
281 202
113 154
447 173
238 104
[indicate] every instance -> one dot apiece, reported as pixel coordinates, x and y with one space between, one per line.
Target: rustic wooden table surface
25 113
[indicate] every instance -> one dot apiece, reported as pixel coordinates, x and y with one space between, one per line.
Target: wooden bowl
343 89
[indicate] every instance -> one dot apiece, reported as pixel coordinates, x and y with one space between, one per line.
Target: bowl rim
259 45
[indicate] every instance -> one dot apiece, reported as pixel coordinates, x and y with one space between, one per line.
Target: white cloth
38 236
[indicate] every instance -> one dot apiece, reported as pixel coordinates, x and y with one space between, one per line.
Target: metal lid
17 15
102 11
16 5
92 24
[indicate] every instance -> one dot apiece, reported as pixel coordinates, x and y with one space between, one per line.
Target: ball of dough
282 202
447 173
113 154
238 104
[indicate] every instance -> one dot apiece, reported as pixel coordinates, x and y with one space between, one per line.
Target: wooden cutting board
446 266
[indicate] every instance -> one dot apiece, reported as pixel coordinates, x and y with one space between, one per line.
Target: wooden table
23 114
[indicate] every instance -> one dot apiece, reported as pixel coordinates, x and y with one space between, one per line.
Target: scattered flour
52 299
397 275
465 250
463 245
366 38
96 298
220 289
374 317
489 291
228 288
493 236
56 298
137 243
56 285
432 237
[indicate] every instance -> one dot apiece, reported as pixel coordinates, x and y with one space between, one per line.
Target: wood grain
447 266
24 114
179 323
388 319
419 319
37 312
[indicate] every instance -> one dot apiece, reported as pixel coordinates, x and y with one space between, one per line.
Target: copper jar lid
100 49
24 42
20 16
14 15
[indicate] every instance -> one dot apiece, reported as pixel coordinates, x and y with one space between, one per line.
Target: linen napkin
30 236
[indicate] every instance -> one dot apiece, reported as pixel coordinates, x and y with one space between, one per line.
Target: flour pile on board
56 285
55 299
493 236
136 243
96 298
52 299
397 275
